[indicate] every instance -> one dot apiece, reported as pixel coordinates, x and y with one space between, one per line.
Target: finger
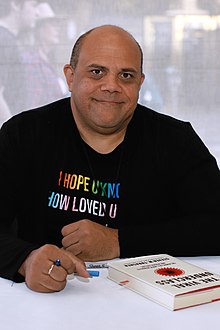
72 227
45 283
38 287
65 260
57 273
87 257
70 239
80 267
51 285
75 249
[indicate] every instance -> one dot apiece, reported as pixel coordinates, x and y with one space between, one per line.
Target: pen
92 273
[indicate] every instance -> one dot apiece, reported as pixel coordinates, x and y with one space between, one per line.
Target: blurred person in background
42 84
14 17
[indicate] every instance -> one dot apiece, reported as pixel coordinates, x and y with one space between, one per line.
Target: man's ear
69 73
142 78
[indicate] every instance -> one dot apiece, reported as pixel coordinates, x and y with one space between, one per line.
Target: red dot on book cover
168 271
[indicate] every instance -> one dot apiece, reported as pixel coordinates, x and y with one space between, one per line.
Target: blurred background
180 40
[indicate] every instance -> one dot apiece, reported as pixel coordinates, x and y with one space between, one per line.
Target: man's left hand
91 241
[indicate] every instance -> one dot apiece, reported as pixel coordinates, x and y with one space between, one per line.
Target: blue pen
93 273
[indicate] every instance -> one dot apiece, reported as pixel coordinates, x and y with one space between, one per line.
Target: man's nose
111 83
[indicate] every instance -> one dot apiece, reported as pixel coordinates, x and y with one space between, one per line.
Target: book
166 280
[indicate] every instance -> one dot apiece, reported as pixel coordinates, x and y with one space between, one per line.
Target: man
15 16
41 83
99 177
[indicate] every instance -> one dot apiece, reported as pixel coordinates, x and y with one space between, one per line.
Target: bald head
103 33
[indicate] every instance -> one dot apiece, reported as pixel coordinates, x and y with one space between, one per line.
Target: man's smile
108 101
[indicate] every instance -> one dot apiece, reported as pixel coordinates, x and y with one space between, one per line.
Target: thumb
81 270
79 266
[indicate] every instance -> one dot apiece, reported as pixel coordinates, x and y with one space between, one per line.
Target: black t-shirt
160 187
84 188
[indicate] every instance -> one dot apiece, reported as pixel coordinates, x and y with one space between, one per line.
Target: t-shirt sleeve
192 229
13 250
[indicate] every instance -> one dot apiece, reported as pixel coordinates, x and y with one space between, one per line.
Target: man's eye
97 72
126 75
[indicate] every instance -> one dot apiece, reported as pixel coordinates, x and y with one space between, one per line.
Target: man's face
106 81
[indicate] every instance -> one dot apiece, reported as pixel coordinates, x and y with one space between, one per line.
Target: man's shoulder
44 115
159 120
37 125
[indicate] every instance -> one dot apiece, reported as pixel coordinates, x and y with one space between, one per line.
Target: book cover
166 280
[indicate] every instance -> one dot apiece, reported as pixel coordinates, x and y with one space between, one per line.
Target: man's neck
101 143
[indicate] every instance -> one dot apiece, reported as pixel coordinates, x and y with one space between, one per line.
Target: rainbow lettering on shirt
86 204
78 182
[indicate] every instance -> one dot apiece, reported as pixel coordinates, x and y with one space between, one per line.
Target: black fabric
160 187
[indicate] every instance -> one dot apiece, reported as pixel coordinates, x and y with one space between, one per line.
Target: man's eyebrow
94 65
129 70
98 66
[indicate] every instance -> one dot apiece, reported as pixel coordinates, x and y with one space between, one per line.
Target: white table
100 304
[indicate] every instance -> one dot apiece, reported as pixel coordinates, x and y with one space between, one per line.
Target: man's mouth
108 101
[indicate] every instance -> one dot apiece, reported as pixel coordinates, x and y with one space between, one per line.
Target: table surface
100 304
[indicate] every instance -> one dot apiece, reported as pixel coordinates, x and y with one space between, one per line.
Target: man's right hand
36 268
